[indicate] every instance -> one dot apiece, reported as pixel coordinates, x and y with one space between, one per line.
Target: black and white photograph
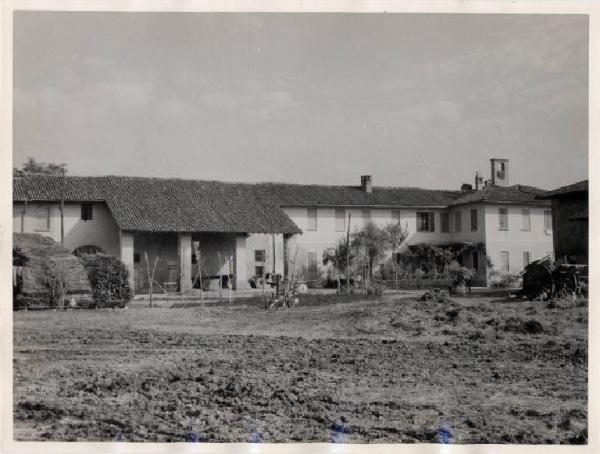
299 227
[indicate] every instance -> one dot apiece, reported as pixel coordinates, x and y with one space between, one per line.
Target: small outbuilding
570 222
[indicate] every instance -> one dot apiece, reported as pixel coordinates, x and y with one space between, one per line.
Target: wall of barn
101 231
259 246
161 248
571 236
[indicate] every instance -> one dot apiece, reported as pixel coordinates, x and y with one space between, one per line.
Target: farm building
240 230
570 222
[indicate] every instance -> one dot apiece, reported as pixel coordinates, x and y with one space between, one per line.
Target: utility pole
62 208
348 254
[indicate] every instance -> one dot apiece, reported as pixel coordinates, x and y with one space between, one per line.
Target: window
474 220
42 217
547 220
445 222
395 215
311 259
425 222
457 221
259 270
475 260
259 255
366 215
340 220
502 219
87 212
504 263
525 220
136 257
312 219
526 258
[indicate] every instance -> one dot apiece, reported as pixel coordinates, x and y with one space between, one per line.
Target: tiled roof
517 194
47 187
167 205
580 186
323 195
164 205
153 204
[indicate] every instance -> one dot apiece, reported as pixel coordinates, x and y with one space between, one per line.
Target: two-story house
240 230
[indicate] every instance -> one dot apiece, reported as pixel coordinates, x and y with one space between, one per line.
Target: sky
411 99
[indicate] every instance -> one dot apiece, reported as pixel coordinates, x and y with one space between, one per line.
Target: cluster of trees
33 167
356 255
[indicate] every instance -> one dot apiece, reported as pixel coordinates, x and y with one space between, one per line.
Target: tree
336 256
33 167
372 242
396 236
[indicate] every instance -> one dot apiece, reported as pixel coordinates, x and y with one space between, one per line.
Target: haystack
43 256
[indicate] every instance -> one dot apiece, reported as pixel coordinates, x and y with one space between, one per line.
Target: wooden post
150 285
23 217
274 256
220 278
62 209
348 254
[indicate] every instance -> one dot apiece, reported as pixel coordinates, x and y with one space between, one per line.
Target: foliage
33 167
504 279
109 279
336 256
396 234
58 281
459 274
371 243
19 258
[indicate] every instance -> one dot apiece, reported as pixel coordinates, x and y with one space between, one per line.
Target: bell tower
499 172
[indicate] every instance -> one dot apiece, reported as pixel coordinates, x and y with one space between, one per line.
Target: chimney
499 172
366 184
478 180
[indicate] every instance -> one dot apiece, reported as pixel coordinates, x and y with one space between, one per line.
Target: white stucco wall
264 242
102 231
514 240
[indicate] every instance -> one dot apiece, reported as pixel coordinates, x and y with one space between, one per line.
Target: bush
459 274
504 279
109 279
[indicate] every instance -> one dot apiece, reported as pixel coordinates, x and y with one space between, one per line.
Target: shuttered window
504 263
547 220
474 220
42 218
502 219
525 220
457 221
445 222
366 215
396 216
312 264
526 258
312 219
340 220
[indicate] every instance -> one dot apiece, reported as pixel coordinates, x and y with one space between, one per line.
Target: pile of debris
436 295
40 265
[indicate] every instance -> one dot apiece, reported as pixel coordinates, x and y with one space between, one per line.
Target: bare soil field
393 369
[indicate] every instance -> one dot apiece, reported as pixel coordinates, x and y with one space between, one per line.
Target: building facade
230 232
